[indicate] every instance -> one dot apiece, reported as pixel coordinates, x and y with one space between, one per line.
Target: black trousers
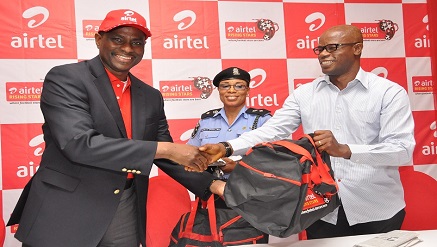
322 229
123 229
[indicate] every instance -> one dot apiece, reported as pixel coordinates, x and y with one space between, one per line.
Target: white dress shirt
372 116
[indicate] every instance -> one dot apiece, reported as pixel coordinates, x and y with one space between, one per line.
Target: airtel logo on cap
38 41
128 16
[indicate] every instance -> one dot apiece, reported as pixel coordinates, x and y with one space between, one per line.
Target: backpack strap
212 218
324 170
319 172
188 232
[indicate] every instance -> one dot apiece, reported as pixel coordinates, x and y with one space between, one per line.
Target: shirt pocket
209 133
369 122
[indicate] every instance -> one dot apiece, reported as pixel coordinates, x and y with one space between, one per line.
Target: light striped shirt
372 115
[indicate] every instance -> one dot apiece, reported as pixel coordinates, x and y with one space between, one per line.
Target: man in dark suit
103 130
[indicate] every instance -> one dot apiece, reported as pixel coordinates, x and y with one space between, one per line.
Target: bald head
349 32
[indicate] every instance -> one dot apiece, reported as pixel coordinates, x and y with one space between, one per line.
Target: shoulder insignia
195 130
261 112
210 113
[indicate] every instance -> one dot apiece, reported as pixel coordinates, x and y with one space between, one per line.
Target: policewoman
229 122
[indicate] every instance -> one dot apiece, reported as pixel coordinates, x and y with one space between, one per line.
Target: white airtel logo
188 42
257 72
34 11
310 19
181 16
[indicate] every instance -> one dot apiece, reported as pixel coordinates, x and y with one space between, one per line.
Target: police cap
231 73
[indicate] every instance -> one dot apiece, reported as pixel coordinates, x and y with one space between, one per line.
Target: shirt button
116 192
118 97
118 85
229 130
339 180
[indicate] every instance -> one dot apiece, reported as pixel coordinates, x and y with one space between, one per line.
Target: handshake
194 159
197 159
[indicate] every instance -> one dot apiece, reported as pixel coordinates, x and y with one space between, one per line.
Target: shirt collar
114 80
361 77
242 111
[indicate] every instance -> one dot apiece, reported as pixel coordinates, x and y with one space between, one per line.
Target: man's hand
215 151
183 154
325 141
218 187
212 151
229 166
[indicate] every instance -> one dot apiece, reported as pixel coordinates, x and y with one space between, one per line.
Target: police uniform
213 127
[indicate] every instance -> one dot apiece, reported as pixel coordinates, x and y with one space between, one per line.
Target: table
429 238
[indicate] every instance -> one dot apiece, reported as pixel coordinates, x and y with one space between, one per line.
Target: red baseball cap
124 17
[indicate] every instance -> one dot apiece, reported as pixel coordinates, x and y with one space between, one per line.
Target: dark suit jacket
72 198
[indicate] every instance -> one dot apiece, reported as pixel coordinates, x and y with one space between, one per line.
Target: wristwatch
228 148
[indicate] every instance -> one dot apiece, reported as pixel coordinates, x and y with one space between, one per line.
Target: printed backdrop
194 40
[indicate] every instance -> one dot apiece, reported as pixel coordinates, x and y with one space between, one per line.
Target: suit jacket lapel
105 89
138 99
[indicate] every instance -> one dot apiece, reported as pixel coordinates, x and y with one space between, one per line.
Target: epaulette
261 112
210 113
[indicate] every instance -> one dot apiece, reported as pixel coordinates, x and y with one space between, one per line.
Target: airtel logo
425 21
30 169
431 149
38 41
424 41
32 12
254 73
260 100
433 127
181 16
37 143
313 18
187 42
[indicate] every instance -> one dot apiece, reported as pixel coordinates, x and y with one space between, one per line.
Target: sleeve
396 142
197 183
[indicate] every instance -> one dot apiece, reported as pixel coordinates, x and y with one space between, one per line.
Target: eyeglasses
330 47
237 87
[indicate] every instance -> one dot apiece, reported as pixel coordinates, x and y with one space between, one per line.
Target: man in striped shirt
363 121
